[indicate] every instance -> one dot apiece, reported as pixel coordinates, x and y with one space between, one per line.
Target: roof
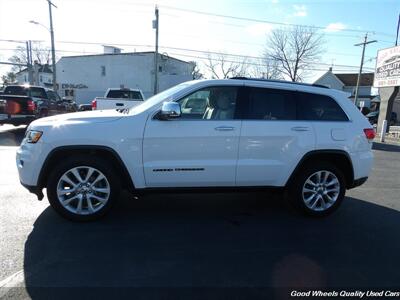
367 79
125 53
42 69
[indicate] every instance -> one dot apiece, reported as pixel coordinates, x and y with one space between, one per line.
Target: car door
198 149
272 141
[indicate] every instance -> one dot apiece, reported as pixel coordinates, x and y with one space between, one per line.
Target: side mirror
170 110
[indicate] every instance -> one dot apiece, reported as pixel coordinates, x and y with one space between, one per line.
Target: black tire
43 113
294 193
88 161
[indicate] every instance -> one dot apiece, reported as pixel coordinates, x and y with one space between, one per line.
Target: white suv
235 133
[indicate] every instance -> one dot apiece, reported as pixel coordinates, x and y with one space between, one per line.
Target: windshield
156 99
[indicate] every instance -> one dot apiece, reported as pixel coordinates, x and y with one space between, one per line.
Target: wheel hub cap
321 190
83 190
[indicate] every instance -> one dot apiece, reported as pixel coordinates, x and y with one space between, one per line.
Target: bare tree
295 50
196 73
221 66
265 68
40 54
9 77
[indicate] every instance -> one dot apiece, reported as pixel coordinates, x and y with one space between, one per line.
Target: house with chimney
347 82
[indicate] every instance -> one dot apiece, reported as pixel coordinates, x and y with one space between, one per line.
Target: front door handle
300 128
224 128
119 104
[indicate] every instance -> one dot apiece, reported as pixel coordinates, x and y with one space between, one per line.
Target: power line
240 56
267 22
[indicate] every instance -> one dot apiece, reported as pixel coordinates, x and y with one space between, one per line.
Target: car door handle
119 104
300 128
224 128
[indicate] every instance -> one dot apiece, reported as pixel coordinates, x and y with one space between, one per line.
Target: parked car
21 104
374 116
118 98
85 107
308 140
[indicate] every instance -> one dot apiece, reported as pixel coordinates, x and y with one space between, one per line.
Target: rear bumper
16 119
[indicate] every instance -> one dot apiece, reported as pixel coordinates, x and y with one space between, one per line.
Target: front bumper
38 191
358 182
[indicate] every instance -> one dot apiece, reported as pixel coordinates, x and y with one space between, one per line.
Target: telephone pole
53 50
155 26
366 42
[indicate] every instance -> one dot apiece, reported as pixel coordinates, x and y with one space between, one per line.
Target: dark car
21 104
84 107
374 116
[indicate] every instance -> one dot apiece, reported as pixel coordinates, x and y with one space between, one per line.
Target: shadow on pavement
386 147
163 245
12 137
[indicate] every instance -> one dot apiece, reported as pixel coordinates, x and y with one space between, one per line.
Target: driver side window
213 103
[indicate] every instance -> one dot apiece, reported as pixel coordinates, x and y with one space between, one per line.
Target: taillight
369 133
31 105
94 104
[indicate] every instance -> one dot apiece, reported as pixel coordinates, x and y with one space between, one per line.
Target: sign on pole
387 72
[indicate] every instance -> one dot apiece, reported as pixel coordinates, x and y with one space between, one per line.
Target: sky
188 29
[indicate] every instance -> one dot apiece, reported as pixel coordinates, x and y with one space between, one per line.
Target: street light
53 51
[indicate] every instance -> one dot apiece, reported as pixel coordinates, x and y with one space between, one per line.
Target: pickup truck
21 104
118 98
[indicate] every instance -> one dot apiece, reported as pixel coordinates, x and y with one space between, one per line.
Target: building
42 75
348 83
88 76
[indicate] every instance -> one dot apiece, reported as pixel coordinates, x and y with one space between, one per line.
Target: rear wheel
82 188
318 189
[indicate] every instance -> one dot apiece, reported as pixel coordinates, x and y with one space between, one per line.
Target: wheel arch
340 158
107 153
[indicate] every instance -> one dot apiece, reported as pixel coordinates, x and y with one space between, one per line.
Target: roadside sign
387 71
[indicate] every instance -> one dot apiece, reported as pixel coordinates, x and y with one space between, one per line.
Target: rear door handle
119 104
300 128
224 128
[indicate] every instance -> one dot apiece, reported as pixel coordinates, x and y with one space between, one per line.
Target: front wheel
318 189
82 188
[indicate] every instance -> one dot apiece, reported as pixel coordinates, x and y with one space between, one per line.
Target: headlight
32 136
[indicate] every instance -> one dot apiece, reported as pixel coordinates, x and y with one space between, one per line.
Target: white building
42 75
348 82
88 76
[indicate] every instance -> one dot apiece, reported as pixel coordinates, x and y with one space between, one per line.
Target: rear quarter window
315 107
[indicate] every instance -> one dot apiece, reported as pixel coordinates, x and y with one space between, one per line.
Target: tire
43 113
301 194
83 202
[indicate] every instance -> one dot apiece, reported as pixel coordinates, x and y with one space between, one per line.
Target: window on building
41 78
103 70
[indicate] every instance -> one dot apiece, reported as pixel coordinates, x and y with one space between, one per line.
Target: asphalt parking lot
198 246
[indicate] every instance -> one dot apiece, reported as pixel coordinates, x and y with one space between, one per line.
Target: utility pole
53 50
155 26
29 61
366 42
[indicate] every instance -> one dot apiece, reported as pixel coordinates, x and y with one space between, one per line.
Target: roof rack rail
279 81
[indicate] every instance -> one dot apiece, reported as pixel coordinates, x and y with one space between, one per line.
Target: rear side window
271 104
314 107
38 93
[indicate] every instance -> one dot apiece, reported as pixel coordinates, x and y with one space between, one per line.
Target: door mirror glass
170 110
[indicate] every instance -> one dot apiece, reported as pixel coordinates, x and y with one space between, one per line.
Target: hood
96 116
